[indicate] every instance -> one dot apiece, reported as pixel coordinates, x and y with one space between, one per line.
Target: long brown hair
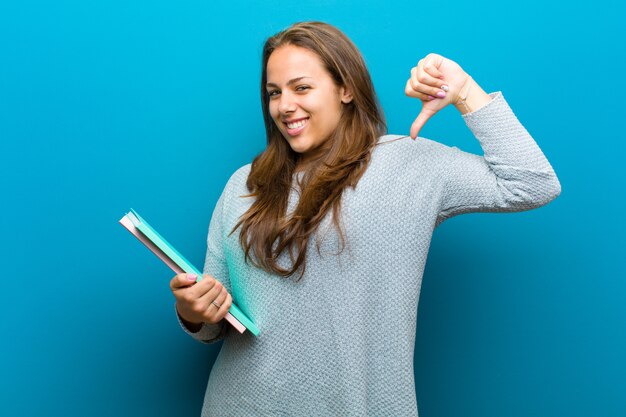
342 165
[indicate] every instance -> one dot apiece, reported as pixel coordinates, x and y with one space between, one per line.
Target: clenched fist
437 82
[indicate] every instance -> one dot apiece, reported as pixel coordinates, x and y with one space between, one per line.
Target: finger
430 84
419 83
423 77
225 306
218 301
212 292
420 121
182 280
410 91
225 301
204 286
201 302
426 84
215 304
430 66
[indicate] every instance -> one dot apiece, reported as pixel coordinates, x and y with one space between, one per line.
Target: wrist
192 326
471 97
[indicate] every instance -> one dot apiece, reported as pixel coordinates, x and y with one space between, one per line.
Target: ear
346 96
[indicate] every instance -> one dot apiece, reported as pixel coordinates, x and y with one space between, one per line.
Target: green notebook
180 261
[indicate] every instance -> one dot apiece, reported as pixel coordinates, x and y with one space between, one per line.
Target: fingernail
441 94
192 277
431 97
445 88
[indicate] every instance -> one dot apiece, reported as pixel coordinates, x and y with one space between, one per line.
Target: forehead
289 61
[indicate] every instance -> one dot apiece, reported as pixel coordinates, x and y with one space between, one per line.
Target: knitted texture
340 341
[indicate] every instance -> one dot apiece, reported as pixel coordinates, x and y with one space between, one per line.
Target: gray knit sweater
340 341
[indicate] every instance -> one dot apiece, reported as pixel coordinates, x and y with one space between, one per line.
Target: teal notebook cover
185 265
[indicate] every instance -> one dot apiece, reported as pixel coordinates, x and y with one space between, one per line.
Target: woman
337 319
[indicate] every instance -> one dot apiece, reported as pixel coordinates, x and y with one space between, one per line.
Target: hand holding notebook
206 300
166 252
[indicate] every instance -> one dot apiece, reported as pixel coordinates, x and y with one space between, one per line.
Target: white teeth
296 124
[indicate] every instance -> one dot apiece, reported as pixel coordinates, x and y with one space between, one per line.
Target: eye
299 88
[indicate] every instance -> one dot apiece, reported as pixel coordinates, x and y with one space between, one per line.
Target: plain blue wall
153 105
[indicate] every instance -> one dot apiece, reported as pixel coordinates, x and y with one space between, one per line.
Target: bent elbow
556 188
547 190
533 192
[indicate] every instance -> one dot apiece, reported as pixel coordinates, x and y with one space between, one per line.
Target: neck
312 157
305 162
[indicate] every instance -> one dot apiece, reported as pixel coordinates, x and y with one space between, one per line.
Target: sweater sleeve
513 175
216 266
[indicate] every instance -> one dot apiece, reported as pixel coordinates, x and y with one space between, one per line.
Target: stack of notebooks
161 248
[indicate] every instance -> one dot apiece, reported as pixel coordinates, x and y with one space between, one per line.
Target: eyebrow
295 80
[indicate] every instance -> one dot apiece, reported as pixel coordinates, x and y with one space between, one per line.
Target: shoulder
404 142
241 173
407 160
238 179
396 148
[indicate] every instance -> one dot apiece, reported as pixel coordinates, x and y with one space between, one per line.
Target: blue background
153 105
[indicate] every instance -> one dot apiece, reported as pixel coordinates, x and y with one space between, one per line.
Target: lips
294 120
296 131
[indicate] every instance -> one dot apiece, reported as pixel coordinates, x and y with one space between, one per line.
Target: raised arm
513 174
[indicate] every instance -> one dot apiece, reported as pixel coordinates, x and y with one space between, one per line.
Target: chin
298 145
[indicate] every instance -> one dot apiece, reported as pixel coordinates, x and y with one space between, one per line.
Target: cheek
273 112
327 114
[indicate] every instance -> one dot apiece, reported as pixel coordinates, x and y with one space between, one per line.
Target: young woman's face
303 99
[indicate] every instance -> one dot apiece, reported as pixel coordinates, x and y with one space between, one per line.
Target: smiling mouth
297 127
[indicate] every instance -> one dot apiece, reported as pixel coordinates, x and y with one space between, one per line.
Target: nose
286 103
